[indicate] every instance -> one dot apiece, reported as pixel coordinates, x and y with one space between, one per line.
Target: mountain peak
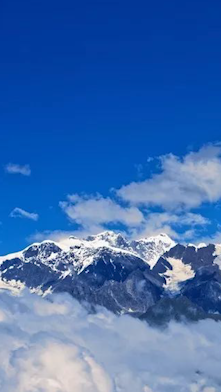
110 238
103 234
116 272
161 238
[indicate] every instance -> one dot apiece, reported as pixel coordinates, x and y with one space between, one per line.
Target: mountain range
152 278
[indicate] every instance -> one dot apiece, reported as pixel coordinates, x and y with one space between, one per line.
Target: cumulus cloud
183 182
164 202
153 224
14 168
20 213
93 214
96 210
55 345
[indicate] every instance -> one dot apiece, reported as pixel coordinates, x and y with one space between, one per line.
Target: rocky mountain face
151 278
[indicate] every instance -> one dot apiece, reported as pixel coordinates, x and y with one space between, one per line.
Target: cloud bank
55 345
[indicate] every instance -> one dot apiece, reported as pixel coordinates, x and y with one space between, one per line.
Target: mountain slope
124 276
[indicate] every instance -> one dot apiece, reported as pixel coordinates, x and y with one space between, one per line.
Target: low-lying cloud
55 345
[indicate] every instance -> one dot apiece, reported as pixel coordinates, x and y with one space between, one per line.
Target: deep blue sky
89 89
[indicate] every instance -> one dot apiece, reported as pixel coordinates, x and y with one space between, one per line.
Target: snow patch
180 273
217 253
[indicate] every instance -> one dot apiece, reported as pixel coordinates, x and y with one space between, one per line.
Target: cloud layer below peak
55 345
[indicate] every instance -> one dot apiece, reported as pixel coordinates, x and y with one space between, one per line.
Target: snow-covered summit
109 238
75 254
151 248
122 274
148 249
160 238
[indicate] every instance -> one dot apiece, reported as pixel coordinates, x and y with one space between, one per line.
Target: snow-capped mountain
123 275
150 249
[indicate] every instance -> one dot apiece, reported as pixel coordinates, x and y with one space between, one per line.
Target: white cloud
54 345
153 224
96 210
20 213
170 223
182 185
94 214
13 168
58 235
185 182
214 238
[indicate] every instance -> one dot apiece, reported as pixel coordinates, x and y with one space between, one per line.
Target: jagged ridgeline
152 278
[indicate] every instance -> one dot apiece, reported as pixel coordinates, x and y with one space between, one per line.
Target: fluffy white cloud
93 214
14 168
20 213
54 345
97 210
154 224
181 185
185 182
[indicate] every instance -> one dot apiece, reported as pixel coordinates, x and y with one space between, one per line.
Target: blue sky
90 91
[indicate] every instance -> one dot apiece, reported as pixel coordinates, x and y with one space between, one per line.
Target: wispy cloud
14 168
20 213
59 235
179 226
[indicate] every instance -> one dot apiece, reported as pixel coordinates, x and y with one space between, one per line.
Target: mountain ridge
125 276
